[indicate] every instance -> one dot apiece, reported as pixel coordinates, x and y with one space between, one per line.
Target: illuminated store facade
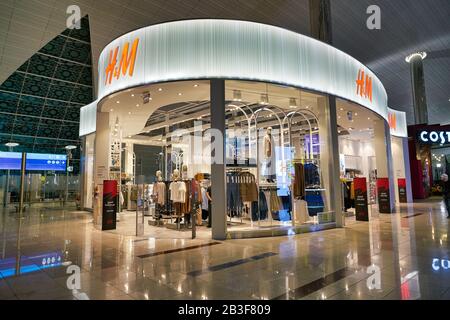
251 128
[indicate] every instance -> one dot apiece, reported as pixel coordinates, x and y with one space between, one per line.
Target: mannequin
178 192
159 189
184 172
268 143
268 155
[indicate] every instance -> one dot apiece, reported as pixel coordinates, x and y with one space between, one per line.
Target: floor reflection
401 256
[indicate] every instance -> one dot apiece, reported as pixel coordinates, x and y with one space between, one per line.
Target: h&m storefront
237 128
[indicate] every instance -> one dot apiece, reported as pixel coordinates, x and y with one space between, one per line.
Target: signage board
361 202
34 161
109 212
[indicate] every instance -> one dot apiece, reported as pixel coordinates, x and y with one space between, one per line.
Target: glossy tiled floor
411 250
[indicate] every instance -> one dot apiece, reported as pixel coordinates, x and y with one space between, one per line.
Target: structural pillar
321 29
101 167
418 87
320 20
385 170
329 156
218 181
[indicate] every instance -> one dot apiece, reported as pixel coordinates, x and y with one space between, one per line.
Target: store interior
277 142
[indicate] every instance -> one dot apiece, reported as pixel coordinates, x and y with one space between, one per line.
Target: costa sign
441 137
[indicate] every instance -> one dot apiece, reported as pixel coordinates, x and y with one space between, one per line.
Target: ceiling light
356 113
160 89
307 107
421 55
137 105
70 147
111 110
342 109
117 101
195 85
129 112
180 94
368 118
132 94
11 144
129 136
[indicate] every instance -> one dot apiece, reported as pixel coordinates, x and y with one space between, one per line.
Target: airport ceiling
406 26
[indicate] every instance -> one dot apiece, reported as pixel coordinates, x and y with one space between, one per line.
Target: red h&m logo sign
126 63
364 85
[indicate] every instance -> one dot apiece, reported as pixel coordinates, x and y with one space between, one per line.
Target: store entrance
360 143
162 177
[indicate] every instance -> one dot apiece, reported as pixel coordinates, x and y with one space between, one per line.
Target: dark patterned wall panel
82 95
36 86
54 47
31 106
61 90
68 71
42 65
14 83
68 131
76 51
72 114
86 76
25 126
8 102
46 90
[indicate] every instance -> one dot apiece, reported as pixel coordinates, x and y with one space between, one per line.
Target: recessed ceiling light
137 105
180 94
342 109
356 113
339 117
111 110
132 94
160 89
195 85
117 101
129 112
368 118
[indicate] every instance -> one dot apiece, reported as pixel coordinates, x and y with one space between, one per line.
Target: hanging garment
299 181
312 176
247 187
178 192
204 199
275 201
263 208
268 146
159 191
234 202
315 202
187 204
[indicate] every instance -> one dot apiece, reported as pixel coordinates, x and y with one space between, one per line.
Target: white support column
101 168
383 152
218 181
329 156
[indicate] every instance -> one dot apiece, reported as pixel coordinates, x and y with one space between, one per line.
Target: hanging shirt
178 192
159 190
204 200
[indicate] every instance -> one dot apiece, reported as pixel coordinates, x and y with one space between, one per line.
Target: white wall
359 154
